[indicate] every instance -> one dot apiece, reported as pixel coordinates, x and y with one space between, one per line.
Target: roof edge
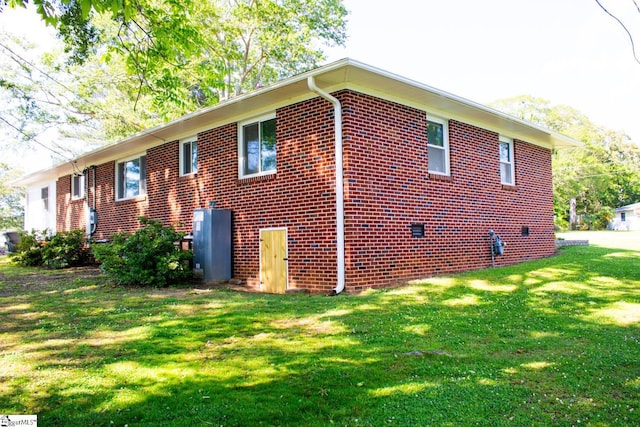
341 73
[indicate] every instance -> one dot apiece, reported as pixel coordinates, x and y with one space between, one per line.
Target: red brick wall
299 197
172 197
113 216
387 188
70 214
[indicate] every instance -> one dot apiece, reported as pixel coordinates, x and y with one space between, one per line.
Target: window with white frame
77 186
188 156
438 146
507 175
131 177
257 146
44 197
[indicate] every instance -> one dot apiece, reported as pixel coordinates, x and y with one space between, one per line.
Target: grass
545 343
606 239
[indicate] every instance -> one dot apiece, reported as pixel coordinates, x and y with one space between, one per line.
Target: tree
51 10
11 210
186 54
601 175
67 108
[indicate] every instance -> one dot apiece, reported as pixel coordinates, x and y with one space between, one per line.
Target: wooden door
273 260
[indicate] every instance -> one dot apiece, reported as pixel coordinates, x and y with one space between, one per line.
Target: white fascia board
342 74
421 96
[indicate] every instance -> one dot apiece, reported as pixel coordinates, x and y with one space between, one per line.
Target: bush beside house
147 257
60 250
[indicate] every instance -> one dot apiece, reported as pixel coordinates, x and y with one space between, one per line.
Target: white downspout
337 108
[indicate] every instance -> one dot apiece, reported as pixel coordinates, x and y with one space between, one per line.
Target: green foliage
560 223
66 249
61 250
79 34
132 65
29 249
50 10
603 174
598 220
11 209
148 257
185 54
32 105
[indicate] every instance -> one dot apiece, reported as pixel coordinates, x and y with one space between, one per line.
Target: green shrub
603 217
60 250
29 249
148 257
599 220
560 224
66 249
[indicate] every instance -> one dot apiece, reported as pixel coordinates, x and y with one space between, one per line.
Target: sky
566 51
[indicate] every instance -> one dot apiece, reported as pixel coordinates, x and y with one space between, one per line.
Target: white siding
40 214
631 219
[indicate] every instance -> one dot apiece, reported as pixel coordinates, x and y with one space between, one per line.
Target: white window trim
242 154
505 140
117 177
181 148
73 186
445 137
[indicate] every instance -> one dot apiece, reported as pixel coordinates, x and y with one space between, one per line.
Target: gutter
337 108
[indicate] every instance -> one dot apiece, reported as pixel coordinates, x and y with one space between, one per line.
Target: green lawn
606 239
554 342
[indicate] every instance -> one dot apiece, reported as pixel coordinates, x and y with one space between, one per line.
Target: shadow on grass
549 342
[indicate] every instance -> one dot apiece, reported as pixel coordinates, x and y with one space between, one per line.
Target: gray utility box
212 244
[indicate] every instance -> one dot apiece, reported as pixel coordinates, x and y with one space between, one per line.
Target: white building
627 218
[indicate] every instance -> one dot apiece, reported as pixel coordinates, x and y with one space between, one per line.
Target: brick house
357 178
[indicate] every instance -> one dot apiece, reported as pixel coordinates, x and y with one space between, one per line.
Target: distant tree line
600 176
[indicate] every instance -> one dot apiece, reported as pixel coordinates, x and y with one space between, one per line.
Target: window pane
268 145
78 186
44 196
143 175
435 134
189 157
437 160
186 158
505 153
131 178
194 156
120 180
251 148
505 173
